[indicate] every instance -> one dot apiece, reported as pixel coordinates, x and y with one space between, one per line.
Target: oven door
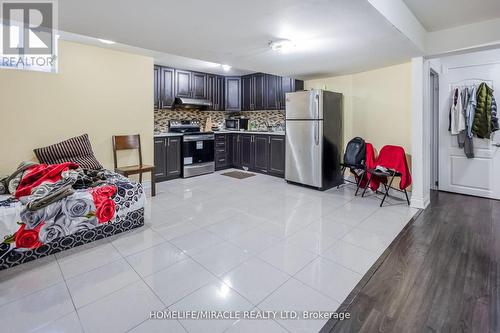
198 149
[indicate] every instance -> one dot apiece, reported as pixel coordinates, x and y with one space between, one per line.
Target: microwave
237 124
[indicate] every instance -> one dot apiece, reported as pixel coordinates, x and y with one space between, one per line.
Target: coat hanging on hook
484 119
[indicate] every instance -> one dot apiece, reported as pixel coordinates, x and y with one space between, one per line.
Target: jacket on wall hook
473 112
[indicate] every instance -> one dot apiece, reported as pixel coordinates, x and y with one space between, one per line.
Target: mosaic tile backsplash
161 117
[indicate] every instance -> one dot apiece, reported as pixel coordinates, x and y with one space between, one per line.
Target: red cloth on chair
370 159
394 158
40 173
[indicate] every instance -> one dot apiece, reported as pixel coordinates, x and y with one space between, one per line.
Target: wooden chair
126 142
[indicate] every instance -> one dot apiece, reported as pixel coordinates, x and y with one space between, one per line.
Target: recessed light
105 41
282 45
226 68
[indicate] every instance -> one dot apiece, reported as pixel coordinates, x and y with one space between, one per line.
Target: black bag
355 152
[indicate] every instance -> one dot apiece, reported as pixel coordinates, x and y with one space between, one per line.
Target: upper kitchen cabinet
156 80
182 83
233 93
199 89
253 92
246 92
215 91
289 84
272 92
190 84
164 87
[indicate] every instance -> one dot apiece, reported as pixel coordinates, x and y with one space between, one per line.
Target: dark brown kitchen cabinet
254 152
215 92
258 152
183 83
233 93
160 153
221 151
253 93
167 157
199 88
277 155
246 92
287 85
261 153
259 94
236 150
247 151
164 91
272 96
156 80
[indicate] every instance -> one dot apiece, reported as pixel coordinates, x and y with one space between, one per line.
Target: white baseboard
420 203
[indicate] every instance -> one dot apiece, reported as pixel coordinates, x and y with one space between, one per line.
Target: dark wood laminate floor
442 274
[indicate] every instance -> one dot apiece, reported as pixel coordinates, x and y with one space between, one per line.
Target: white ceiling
443 14
333 36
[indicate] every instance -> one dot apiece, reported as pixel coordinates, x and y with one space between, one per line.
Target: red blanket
394 158
370 159
40 173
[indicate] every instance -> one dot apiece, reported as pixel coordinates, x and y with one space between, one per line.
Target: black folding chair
354 168
387 174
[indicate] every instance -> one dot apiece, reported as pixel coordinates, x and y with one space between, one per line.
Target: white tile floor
209 243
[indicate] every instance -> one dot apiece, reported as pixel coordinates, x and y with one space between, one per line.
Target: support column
420 140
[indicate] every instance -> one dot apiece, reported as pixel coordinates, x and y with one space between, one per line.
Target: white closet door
479 176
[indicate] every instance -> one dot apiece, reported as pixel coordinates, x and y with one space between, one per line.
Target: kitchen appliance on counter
197 148
237 124
313 138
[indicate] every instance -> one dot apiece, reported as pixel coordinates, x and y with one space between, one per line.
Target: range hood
192 103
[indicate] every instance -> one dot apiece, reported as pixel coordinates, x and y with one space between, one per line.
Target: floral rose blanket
89 202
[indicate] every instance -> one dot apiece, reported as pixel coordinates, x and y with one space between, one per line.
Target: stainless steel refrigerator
313 138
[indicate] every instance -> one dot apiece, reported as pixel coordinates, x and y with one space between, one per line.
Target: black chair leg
367 184
359 182
407 200
387 187
342 171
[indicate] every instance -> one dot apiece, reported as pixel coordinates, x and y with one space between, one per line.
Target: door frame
434 127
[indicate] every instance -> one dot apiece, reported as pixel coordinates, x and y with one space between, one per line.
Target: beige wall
377 104
97 91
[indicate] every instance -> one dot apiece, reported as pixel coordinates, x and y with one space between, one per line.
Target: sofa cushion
77 150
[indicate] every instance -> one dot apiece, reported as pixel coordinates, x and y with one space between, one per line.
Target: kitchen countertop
168 134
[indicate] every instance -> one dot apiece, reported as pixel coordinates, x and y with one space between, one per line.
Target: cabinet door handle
168 142
269 139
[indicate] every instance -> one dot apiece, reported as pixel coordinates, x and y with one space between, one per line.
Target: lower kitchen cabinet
277 155
221 151
167 157
247 151
261 153
236 150
258 152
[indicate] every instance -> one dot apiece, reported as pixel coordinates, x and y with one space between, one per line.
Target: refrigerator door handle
316 132
317 106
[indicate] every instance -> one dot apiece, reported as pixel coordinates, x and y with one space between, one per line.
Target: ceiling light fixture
106 41
282 45
226 68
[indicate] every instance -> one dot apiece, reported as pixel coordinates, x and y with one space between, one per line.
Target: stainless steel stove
197 148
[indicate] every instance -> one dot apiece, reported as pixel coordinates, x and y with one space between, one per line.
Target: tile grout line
70 296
